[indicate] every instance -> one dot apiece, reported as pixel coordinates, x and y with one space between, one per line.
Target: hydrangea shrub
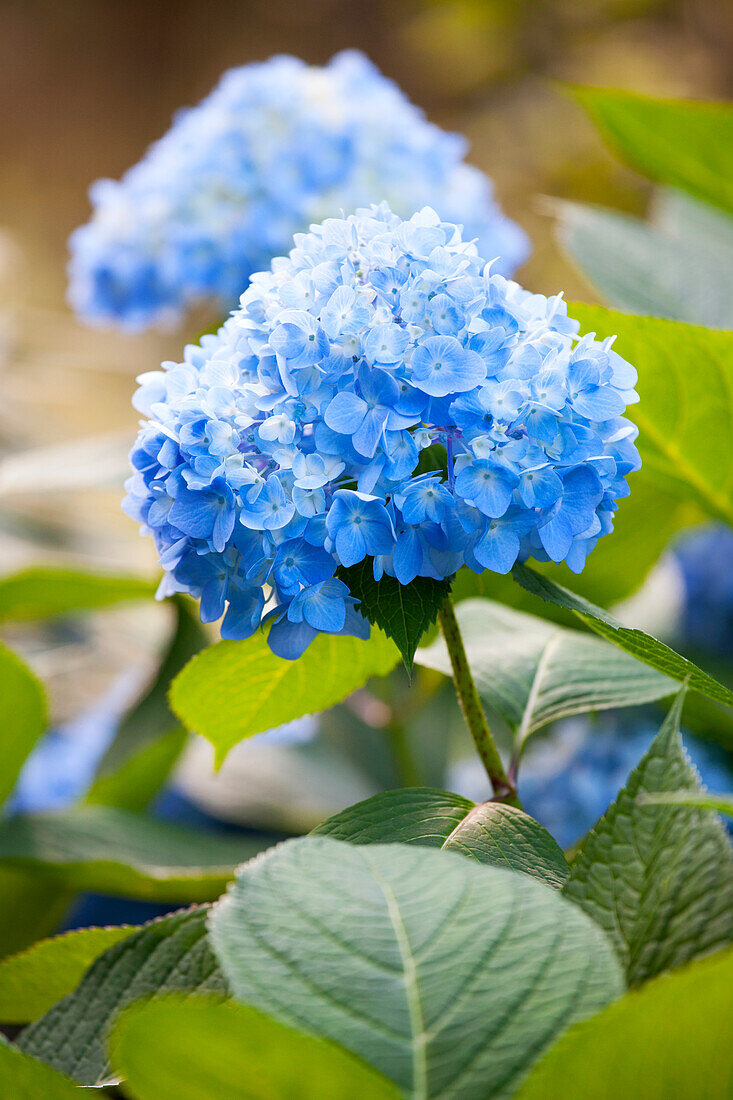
274 147
290 442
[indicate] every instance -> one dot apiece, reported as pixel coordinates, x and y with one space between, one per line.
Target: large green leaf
148 740
447 976
686 407
169 954
490 832
23 717
111 851
262 691
172 1048
44 591
685 143
403 611
31 908
532 672
636 642
24 1078
658 879
669 1040
35 979
642 268
721 803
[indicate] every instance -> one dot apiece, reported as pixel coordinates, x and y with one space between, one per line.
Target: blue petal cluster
273 148
292 441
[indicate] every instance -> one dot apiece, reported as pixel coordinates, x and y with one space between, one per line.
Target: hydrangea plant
300 438
273 148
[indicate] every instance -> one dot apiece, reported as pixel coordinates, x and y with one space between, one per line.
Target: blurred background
86 85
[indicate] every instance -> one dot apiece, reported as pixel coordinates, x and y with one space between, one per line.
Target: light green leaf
31 908
446 976
639 267
169 1048
686 407
109 851
35 979
532 672
669 1039
23 717
491 833
658 879
684 143
24 1078
263 691
722 803
649 650
169 954
149 740
41 592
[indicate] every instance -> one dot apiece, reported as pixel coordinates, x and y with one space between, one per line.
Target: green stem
473 711
405 763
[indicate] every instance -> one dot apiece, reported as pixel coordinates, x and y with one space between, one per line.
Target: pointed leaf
376 947
174 1049
669 1039
35 979
532 672
109 851
658 879
721 803
263 691
169 954
648 649
403 611
23 717
41 592
685 143
491 833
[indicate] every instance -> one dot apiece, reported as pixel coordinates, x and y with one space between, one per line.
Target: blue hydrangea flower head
274 147
290 443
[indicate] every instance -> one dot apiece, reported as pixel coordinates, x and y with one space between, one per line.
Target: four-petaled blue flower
290 443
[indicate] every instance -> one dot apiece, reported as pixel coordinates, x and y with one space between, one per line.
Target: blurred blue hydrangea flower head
290 442
274 147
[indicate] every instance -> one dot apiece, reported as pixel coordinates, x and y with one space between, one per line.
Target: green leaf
174 1049
649 650
149 740
658 879
263 691
447 976
23 717
31 908
35 979
684 143
532 672
171 954
41 592
24 1078
641 268
722 803
109 851
491 833
669 1039
403 611
686 407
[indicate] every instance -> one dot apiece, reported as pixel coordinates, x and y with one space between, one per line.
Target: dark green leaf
169 954
684 143
447 976
649 650
658 879
172 1048
403 611
668 1040
263 691
31 908
41 592
498 835
109 851
23 717
35 979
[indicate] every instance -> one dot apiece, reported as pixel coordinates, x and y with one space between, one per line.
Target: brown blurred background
85 85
